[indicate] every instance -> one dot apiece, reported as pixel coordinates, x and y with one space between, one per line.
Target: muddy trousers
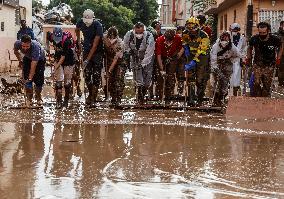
92 75
222 78
58 94
116 84
202 76
262 82
281 72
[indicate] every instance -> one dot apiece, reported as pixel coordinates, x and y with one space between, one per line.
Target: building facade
246 12
11 12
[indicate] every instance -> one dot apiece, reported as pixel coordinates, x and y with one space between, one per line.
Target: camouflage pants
262 82
222 78
170 78
281 72
202 76
116 83
92 71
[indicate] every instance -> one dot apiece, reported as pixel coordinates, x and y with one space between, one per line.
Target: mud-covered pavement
107 153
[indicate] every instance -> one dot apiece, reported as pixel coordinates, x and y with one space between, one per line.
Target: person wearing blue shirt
33 66
25 30
92 52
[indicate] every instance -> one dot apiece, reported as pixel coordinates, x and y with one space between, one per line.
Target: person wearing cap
280 34
140 44
222 54
33 66
196 49
92 53
25 30
64 63
169 50
240 42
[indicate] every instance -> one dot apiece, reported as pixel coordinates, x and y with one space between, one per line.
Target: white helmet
235 26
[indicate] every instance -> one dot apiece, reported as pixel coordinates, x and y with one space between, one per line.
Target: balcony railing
210 6
13 3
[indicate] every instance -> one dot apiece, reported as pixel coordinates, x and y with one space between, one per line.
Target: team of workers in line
182 58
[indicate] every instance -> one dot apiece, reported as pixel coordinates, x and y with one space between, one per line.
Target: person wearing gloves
116 69
169 50
92 53
222 55
196 45
140 44
240 42
64 57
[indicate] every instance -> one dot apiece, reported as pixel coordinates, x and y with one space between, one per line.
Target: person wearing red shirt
169 50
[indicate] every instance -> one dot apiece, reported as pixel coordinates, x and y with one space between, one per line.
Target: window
225 22
17 16
221 23
2 26
235 16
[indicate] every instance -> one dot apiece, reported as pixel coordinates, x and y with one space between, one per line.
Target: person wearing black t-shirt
64 63
280 33
267 52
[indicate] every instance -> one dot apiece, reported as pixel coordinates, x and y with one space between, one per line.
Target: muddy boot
67 95
140 95
180 88
235 90
217 102
38 96
79 92
29 97
95 92
89 99
58 98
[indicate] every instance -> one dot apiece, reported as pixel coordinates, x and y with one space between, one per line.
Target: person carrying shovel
169 50
32 65
266 58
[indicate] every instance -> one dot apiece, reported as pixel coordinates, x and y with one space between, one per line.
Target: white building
11 12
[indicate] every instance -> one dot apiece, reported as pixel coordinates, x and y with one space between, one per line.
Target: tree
37 4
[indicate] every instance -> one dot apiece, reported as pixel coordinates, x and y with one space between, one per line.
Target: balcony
12 3
210 7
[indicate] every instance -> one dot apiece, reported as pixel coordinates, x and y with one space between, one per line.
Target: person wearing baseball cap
92 52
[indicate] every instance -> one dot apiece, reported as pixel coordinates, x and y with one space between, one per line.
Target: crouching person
64 64
222 54
33 65
115 69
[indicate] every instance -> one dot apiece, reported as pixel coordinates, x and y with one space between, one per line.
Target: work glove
163 73
186 50
28 84
190 66
278 62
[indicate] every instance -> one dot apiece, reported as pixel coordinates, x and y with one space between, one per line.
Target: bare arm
160 62
61 60
33 68
94 47
280 52
249 53
78 38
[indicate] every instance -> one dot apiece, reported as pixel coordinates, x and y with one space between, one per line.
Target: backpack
68 35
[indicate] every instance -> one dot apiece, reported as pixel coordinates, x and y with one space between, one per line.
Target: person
33 66
267 53
115 69
92 53
240 42
196 49
222 55
64 57
169 50
203 26
25 30
141 46
280 33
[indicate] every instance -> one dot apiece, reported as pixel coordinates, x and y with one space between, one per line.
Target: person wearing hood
140 44
222 55
280 33
240 42
25 30
115 68
267 53
92 53
64 57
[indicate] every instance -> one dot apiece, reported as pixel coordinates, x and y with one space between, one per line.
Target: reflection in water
131 161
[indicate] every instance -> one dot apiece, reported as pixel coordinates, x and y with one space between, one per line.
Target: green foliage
37 4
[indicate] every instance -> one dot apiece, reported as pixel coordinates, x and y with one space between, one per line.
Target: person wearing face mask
63 44
140 44
240 42
115 69
25 30
33 66
92 53
169 50
267 53
280 33
196 44
222 54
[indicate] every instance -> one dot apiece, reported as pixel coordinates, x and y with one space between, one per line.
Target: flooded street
107 153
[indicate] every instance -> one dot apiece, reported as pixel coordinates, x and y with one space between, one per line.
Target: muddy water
64 160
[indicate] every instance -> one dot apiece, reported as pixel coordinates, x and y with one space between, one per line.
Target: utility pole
249 19
192 6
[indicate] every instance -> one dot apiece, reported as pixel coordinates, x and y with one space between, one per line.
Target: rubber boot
29 96
140 95
180 88
67 95
38 96
95 91
89 99
58 98
235 90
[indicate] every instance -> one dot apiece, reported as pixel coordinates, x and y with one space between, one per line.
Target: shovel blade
255 107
